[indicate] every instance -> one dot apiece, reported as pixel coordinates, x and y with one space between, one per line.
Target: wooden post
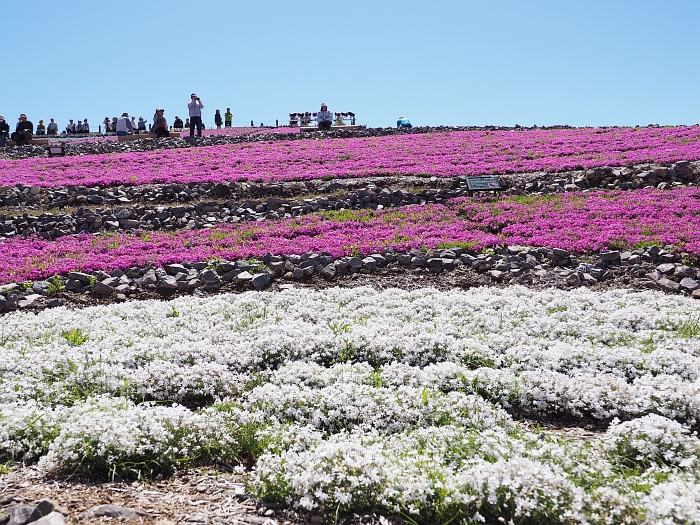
251 124
277 123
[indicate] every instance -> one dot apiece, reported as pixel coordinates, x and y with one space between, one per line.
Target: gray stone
564 254
381 260
612 255
689 284
355 263
244 277
52 518
588 278
122 214
369 263
23 514
434 261
40 287
329 272
261 280
624 256
55 302
129 224
666 268
149 278
298 273
242 265
654 276
174 269
79 276
230 276
114 511
209 277
101 288
573 280
635 259
496 274
28 300
667 285
419 260
166 283
111 282
404 259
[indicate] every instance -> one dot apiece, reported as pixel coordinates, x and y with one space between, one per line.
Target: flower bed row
438 154
349 400
578 222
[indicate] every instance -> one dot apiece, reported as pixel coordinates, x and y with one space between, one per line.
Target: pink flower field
579 222
444 154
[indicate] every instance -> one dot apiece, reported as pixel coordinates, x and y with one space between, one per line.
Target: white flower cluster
357 398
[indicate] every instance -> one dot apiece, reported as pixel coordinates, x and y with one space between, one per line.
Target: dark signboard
483 183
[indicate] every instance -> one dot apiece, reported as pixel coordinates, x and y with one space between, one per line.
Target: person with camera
195 106
23 131
123 126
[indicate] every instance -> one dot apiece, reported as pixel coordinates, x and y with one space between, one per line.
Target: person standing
4 131
228 118
108 125
324 118
23 131
123 126
217 119
52 128
195 106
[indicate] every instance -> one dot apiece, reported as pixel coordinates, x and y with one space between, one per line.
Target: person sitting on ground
141 126
114 123
161 125
79 127
108 125
339 120
123 126
134 125
23 131
187 123
4 131
217 119
403 122
70 127
177 123
228 118
324 118
41 129
86 126
52 128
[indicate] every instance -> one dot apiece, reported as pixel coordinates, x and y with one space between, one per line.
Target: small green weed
75 337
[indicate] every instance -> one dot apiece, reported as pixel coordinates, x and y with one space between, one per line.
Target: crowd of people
125 125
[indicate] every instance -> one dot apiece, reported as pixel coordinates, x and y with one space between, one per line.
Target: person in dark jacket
217 119
177 123
23 131
4 131
160 124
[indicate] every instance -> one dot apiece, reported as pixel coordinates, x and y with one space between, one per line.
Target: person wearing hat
23 131
40 128
4 131
324 118
108 125
141 125
195 107
161 125
124 126
52 128
70 127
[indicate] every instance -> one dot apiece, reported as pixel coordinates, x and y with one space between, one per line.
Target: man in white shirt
324 118
124 126
195 106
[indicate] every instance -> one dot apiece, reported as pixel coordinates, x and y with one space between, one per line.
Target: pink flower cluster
433 154
580 222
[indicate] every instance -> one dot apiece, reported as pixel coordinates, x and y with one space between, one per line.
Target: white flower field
437 406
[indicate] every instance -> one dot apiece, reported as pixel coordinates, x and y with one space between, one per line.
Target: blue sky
577 62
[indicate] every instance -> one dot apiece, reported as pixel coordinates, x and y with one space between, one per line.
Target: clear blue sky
468 62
